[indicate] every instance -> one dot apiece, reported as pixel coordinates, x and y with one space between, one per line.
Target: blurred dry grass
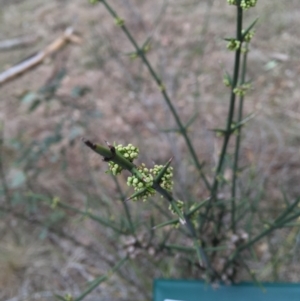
189 53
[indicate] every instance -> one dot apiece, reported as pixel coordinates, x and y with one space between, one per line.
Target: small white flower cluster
242 89
138 184
233 44
248 36
166 181
245 4
226 80
129 152
180 206
142 181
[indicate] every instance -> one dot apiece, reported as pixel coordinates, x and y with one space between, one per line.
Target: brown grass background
124 105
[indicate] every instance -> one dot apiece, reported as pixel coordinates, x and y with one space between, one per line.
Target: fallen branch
34 60
17 42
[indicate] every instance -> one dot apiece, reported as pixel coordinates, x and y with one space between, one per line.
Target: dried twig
17 42
34 60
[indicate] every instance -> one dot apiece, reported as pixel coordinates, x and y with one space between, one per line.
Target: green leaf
35 104
79 91
192 120
270 65
52 86
75 131
29 98
170 222
43 234
137 194
58 297
243 122
249 28
48 141
17 178
162 172
197 207
101 279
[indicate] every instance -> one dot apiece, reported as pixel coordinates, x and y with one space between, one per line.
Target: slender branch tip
88 143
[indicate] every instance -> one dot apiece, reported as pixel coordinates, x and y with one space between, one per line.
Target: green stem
232 100
116 157
74 241
101 279
277 224
201 254
159 83
179 248
228 131
91 216
248 245
289 219
125 205
74 209
237 146
287 211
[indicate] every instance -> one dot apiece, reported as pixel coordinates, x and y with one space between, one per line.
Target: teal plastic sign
185 290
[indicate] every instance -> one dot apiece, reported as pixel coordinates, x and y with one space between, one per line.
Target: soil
106 95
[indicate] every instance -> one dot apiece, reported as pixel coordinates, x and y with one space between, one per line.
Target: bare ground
125 106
